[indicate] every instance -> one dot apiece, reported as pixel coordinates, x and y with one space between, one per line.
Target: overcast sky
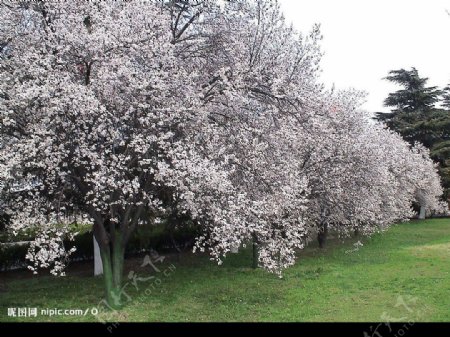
363 40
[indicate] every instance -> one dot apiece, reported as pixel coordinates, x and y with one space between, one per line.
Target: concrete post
422 212
98 265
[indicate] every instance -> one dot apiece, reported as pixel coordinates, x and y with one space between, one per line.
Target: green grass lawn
401 275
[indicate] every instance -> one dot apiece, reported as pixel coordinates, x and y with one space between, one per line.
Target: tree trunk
322 235
422 212
255 252
113 256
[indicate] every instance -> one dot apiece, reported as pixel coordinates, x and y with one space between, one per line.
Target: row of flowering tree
211 109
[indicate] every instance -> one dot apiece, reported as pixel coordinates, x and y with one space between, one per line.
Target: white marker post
422 212
234 248
98 265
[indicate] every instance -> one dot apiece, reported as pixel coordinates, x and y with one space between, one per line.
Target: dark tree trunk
322 235
255 252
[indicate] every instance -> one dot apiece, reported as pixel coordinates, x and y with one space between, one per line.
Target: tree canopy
416 117
415 96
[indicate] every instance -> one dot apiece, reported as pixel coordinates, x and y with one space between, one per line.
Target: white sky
363 40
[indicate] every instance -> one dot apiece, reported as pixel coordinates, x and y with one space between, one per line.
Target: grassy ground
401 275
